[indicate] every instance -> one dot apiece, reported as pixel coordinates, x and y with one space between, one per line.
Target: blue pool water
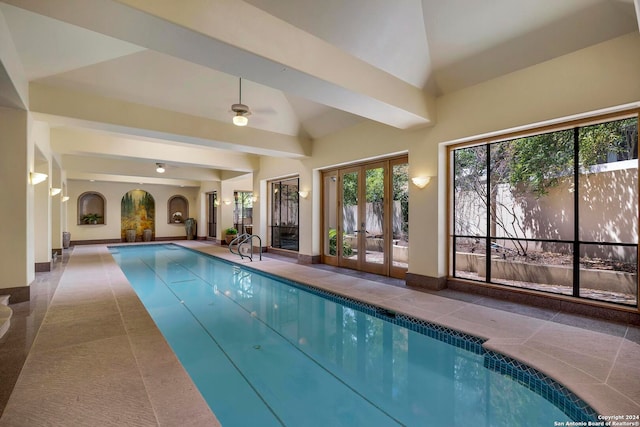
267 352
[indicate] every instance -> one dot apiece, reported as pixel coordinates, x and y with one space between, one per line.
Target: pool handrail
243 239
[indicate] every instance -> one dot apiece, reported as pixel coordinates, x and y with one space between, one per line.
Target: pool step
5 314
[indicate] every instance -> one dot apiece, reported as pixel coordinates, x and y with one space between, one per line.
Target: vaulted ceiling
127 83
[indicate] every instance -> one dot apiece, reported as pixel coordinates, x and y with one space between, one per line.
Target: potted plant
91 218
230 234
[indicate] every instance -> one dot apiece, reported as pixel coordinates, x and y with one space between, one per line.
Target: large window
285 214
555 212
243 211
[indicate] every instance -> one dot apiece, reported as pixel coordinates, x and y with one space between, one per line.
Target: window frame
573 125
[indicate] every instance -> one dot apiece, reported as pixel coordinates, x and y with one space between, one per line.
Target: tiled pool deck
98 358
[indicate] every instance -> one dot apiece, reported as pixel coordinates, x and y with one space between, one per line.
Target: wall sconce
37 177
227 202
421 181
303 193
65 198
53 191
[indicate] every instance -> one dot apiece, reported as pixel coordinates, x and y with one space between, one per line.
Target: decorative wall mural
138 211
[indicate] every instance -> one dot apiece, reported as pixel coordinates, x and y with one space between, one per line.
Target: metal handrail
243 239
235 242
249 240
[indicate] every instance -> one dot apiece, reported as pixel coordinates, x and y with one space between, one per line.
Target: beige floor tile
629 353
494 323
63 311
607 401
575 379
468 327
595 366
624 378
66 294
372 293
176 399
409 310
77 331
173 395
136 321
429 302
150 349
91 384
579 340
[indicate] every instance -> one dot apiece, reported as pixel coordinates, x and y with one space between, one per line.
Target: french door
359 205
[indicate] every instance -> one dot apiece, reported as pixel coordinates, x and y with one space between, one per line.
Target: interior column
16 209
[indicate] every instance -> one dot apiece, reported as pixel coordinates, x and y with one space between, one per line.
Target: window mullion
488 230
576 211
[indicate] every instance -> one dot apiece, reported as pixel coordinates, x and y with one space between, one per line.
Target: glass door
364 230
330 217
399 221
374 237
351 227
365 217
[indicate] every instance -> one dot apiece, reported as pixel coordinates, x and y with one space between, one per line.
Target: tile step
5 319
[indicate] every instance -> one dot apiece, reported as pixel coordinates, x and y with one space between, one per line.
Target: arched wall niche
91 208
177 209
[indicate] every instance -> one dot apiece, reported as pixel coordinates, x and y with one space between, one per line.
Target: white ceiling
309 67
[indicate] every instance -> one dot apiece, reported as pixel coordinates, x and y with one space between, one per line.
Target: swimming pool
270 352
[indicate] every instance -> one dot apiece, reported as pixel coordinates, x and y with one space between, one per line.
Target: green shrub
333 242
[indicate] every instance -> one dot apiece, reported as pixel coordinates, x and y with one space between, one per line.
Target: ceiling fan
241 111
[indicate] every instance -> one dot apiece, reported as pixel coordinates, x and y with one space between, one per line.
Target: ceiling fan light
241 110
240 120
